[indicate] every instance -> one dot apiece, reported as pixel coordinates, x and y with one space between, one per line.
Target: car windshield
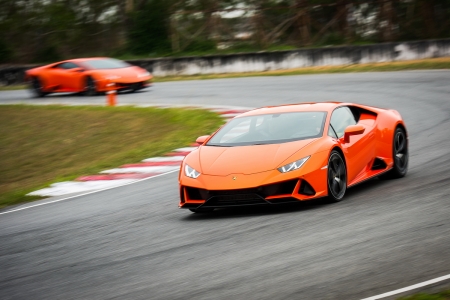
105 63
270 129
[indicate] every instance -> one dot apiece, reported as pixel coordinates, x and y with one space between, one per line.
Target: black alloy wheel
36 87
337 177
400 155
90 88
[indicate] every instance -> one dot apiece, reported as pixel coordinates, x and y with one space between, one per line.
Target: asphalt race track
132 242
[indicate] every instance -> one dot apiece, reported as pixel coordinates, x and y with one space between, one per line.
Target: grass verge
445 295
13 87
423 64
44 144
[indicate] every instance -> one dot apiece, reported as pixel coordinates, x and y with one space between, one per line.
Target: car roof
298 107
85 59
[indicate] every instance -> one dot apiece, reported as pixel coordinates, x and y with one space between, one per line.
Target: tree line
49 30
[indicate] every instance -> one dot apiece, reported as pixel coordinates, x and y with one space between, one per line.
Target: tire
400 154
36 87
90 88
201 210
337 177
136 87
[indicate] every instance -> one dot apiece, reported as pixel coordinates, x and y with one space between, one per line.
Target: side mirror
202 139
352 130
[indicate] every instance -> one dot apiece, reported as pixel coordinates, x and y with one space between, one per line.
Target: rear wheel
90 88
37 88
400 155
337 177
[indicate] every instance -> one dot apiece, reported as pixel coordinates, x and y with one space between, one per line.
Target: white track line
408 288
88 193
151 169
185 149
165 158
70 187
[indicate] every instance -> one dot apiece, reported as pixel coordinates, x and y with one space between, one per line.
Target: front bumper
209 191
103 85
132 86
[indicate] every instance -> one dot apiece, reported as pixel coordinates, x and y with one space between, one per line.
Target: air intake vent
378 164
306 189
195 194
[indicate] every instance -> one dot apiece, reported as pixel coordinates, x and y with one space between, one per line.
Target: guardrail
276 60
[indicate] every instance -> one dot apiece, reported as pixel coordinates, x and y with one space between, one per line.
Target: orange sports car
86 75
292 153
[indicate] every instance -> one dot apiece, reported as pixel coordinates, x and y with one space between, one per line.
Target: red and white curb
130 173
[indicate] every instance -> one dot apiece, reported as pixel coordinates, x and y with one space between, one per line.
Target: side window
331 132
340 119
67 66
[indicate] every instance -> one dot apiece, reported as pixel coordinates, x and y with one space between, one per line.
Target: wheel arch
402 126
338 149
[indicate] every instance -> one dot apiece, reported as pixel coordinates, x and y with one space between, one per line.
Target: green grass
445 295
40 145
13 87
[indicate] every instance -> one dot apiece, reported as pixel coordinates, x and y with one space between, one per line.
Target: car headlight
293 165
191 172
143 74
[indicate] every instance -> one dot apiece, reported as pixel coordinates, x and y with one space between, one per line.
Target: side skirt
370 177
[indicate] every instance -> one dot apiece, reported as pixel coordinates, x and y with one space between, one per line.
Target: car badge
234 177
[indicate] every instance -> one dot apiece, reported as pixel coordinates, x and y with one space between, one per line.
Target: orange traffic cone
111 94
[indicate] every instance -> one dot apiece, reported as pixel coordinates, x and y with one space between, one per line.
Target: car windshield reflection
106 63
270 129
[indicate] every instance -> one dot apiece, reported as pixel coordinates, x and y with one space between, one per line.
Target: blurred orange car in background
86 75
293 153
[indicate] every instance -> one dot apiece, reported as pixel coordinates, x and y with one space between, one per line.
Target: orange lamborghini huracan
293 153
86 75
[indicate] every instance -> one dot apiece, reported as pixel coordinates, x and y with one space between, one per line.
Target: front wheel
37 88
337 177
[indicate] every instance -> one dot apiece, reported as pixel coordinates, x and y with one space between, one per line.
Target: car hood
125 73
223 161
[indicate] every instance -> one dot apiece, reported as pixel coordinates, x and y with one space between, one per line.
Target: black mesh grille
235 200
282 188
283 200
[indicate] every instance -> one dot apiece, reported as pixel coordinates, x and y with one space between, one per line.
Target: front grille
250 196
283 200
234 200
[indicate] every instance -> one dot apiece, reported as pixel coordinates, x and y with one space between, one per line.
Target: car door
65 77
359 150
